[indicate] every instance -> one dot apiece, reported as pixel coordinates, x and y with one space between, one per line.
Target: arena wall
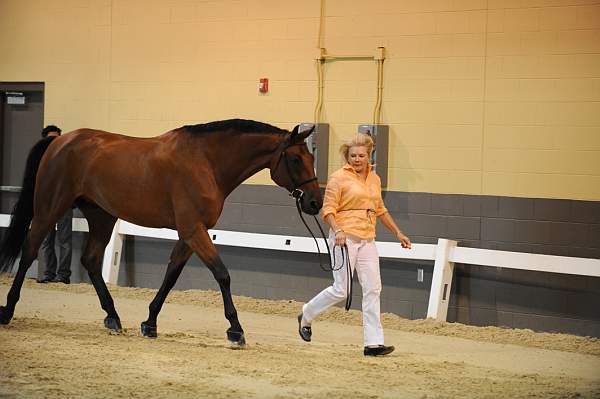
482 97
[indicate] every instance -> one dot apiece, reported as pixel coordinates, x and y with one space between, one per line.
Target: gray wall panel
464 228
417 203
552 210
472 205
447 204
498 230
516 208
490 206
399 202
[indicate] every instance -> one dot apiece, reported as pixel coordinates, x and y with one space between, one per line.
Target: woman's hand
404 240
389 223
340 238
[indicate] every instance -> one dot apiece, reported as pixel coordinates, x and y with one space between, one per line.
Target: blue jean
47 260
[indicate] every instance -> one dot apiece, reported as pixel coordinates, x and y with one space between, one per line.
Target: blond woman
351 208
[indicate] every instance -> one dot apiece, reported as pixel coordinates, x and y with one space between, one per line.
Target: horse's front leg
179 256
201 243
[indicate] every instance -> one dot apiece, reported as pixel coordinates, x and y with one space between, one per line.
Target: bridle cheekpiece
296 192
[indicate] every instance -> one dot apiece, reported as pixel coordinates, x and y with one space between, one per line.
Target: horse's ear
295 130
293 138
296 137
305 133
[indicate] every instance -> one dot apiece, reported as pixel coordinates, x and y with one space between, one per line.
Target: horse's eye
296 161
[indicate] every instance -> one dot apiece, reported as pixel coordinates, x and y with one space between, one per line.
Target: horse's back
86 140
85 147
78 151
114 171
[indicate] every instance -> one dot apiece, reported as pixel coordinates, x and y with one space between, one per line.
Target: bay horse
178 180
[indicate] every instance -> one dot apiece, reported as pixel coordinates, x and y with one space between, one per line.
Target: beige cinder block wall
493 97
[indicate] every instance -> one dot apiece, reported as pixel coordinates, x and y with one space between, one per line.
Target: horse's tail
22 213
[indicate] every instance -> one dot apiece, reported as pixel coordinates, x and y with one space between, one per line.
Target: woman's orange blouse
354 203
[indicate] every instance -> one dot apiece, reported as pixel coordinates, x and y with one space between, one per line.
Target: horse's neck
243 156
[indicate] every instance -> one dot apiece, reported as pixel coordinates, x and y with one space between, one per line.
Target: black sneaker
380 350
64 280
305 332
45 280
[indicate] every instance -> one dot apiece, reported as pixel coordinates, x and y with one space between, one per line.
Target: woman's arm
388 222
340 236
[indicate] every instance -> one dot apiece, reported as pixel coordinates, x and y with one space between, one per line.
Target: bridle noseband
296 192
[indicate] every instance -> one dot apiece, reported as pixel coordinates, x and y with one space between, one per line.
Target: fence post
112 256
439 297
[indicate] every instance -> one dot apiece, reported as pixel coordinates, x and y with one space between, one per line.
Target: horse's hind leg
201 243
39 229
179 256
101 226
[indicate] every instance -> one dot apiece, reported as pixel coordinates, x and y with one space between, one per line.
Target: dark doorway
21 122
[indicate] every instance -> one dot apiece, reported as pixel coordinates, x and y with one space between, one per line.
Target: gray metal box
318 145
379 158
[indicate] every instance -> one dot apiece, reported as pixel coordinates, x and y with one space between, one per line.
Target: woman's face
358 158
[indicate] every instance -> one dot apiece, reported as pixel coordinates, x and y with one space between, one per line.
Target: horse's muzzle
311 201
311 205
314 207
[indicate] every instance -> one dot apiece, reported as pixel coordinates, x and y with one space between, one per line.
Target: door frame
22 87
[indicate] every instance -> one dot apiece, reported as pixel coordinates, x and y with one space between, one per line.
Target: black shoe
64 280
305 332
45 280
380 350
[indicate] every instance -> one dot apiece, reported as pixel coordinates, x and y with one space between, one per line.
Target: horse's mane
237 125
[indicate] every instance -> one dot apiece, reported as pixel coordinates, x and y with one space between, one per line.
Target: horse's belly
147 209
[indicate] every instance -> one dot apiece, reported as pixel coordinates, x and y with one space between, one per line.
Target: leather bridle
296 192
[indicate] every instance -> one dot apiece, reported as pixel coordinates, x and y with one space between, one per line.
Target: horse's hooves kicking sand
148 330
4 317
236 339
113 324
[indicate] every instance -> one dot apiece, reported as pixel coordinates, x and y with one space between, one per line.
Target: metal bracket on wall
379 158
318 145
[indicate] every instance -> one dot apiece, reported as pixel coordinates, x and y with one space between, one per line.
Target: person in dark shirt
57 270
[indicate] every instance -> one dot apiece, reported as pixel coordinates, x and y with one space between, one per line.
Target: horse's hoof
4 316
236 339
113 324
148 330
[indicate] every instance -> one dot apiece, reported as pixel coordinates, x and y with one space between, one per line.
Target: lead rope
349 282
332 264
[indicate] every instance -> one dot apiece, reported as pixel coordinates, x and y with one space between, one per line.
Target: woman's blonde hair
360 140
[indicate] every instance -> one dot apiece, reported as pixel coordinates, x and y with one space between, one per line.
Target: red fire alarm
263 85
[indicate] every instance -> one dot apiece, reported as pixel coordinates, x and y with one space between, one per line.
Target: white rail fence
445 254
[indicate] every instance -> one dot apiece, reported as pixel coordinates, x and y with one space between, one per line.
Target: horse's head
292 168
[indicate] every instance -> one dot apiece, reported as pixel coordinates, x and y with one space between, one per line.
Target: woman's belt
370 213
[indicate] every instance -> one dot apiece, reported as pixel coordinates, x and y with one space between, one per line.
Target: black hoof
148 330
113 324
236 339
4 316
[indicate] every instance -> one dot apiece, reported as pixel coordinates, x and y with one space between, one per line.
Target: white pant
365 260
